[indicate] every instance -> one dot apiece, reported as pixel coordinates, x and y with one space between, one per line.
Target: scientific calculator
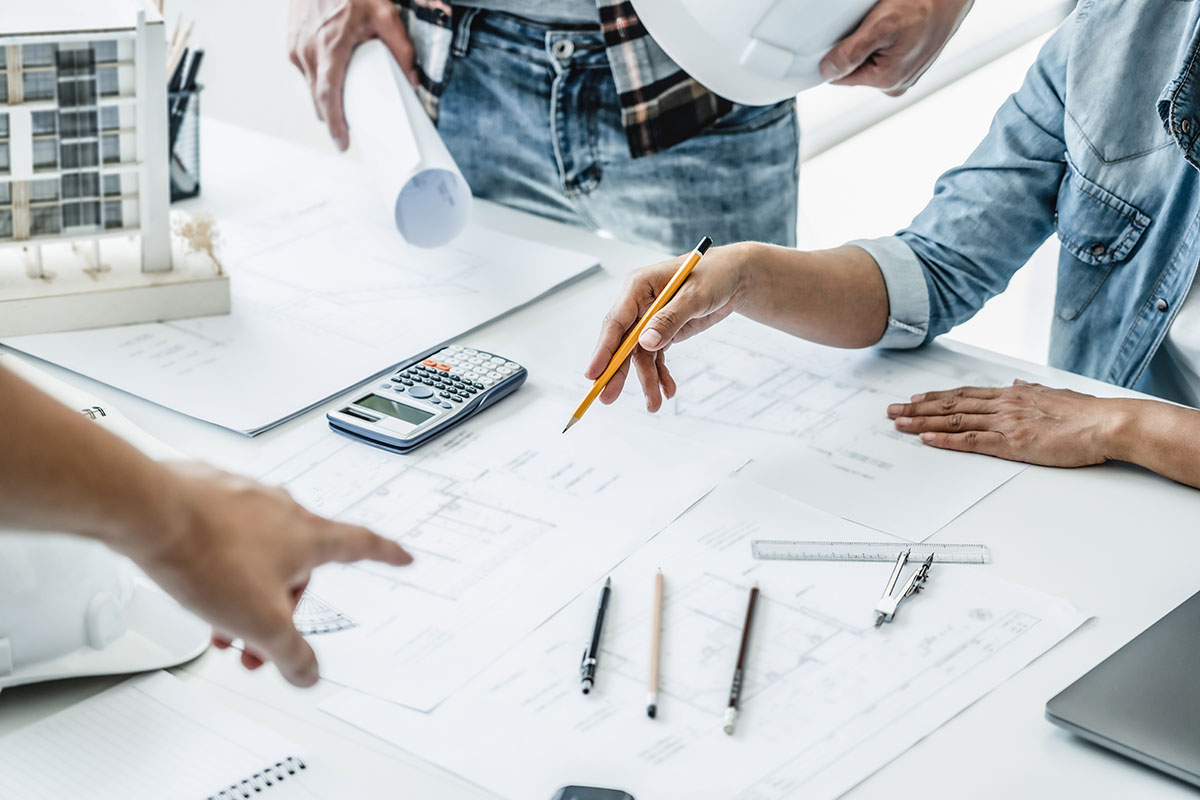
426 396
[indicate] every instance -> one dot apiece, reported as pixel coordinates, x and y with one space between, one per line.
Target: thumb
292 655
849 54
664 325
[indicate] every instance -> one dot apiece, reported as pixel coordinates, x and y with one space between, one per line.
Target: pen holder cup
183 108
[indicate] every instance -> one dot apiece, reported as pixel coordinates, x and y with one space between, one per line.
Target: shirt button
1098 249
563 49
1185 125
1162 305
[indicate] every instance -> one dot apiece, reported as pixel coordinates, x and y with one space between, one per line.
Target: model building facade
83 132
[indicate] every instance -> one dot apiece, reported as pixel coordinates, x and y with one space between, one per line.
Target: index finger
346 543
637 295
329 88
978 392
617 322
943 407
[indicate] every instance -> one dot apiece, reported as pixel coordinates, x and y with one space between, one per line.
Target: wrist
746 260
1123 429
156 520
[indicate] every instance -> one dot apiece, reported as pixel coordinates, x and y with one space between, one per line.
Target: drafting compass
886 609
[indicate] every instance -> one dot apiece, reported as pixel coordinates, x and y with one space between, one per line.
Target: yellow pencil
631 340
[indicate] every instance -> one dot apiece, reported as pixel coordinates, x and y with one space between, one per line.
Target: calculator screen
393 409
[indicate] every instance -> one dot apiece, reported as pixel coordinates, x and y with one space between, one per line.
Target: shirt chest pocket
1099 232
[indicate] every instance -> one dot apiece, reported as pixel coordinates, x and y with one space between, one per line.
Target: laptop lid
1143 701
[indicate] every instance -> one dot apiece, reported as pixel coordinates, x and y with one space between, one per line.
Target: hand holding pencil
644 322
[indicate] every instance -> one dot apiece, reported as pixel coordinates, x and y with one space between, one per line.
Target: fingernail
650 338
894 409
903 422
927 437
916 398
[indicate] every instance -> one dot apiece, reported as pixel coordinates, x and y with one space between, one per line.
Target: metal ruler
778 550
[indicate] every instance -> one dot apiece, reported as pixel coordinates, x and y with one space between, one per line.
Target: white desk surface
1117 541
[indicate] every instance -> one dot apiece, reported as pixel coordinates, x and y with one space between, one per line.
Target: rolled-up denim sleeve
987 217
907 289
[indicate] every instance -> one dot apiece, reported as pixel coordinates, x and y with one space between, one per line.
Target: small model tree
199 232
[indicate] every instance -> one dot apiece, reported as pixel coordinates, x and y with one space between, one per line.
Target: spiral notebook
155 736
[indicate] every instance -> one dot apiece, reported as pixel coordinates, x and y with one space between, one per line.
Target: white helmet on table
70 607
755 52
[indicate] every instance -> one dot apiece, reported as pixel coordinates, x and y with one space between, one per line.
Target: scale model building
85 221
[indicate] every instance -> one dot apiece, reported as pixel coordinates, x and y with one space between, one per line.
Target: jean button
563 49
1162 305
1185 125
1098 249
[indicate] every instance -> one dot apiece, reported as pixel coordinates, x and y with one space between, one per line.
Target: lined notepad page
154 737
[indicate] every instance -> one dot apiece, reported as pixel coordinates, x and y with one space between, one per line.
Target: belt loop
462 31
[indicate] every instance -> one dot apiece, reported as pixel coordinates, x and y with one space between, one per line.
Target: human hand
895 43
322 35
1023 422
240 556
709 295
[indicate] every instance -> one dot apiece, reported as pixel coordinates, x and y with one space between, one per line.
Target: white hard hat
754 52
71 607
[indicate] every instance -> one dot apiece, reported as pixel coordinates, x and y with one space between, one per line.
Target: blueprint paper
814 420
506 518
423 190
828 698
325 294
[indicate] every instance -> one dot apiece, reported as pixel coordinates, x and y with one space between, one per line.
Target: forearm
62 472
833 297
1159 436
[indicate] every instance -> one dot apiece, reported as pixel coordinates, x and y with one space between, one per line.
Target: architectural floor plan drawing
815 421
506 519
828 697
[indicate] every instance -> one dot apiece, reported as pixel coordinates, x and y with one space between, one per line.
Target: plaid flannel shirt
661 105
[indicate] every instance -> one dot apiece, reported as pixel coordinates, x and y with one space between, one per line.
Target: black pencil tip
705 243
651 711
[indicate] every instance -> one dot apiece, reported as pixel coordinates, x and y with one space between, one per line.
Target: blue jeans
531 115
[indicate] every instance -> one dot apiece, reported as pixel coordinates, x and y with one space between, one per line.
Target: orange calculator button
429 362
443 367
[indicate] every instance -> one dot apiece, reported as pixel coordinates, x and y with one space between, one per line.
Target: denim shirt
1098 147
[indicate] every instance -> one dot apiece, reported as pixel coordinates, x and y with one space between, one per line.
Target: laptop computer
1143 701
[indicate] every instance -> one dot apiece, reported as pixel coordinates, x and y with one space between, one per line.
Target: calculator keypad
452 376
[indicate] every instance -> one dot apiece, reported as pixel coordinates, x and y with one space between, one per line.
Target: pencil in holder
184 131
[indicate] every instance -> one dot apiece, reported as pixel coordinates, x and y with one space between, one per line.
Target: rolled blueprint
390 132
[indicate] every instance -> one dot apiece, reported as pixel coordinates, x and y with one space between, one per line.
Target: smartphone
591 793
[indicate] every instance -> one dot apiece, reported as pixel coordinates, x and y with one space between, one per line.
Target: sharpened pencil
739 672
655 647
631 339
